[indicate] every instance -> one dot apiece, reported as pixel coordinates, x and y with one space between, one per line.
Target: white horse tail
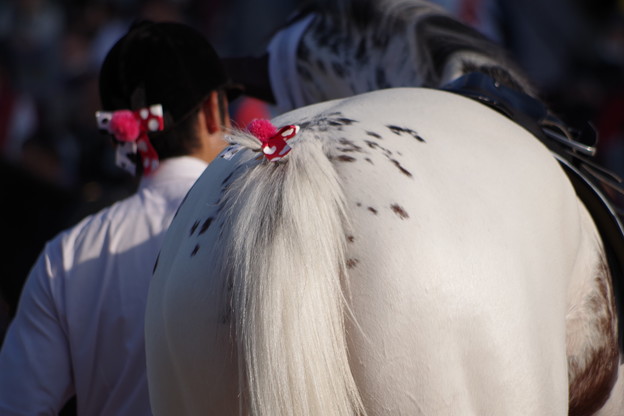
286 261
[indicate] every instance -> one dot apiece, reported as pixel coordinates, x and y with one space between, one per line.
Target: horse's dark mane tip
442 36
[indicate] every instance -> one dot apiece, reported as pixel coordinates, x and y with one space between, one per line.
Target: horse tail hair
285 259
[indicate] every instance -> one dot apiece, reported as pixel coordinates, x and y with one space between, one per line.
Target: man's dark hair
163 63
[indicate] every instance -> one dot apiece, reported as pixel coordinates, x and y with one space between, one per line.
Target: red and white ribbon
274 142
130 128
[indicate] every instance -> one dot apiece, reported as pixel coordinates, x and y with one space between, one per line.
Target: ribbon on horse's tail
130 129
274 141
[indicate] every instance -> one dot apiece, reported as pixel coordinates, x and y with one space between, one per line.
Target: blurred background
56 168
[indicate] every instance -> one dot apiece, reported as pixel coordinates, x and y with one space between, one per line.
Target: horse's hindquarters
462 244
459 261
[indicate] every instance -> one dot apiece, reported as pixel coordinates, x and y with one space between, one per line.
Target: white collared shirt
79 327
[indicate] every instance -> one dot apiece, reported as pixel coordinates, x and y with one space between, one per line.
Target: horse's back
463 239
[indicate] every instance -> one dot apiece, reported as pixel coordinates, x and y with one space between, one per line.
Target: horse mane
437 40
289 314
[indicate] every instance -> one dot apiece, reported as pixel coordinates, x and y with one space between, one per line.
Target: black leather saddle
573 147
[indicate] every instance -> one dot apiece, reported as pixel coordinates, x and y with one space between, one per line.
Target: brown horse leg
593 353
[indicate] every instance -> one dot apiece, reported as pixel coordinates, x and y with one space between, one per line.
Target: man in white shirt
80 322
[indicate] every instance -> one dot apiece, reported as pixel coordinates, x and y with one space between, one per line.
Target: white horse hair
304 284
416 253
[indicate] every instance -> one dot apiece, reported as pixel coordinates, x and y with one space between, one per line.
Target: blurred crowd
56 167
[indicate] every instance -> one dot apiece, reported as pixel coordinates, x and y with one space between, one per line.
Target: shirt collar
176 168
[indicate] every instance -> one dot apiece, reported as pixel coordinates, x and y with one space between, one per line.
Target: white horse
416 253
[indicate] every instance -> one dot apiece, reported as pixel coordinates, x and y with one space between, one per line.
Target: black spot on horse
396 130
327 121
373 134
351 263
346 121
350 238
205 225
346 158
401 168
195 250
348 146
340 121
373 210
227 179
377 146
194 227
369 160
398 210
400 130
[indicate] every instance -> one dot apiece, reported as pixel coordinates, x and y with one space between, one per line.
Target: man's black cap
164 63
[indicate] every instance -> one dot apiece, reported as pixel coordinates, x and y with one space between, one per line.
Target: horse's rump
453 234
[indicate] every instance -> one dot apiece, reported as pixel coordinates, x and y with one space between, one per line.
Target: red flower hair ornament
130 128
274 140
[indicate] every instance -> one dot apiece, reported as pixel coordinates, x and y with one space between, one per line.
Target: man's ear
210 110
214 118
